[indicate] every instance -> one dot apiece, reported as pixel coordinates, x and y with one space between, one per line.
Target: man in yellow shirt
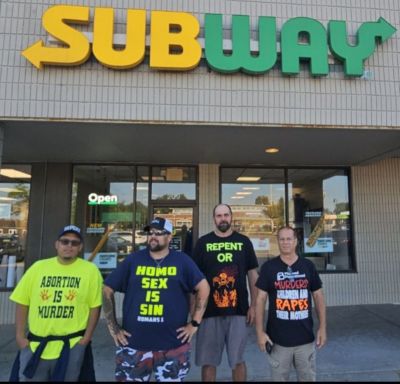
60 299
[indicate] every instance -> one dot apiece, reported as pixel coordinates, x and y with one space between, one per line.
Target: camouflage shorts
134 365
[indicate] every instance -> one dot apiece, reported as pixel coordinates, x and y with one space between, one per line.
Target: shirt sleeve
96 288
21 293
252 261
118 279
193 274
197 254
262 282
316 282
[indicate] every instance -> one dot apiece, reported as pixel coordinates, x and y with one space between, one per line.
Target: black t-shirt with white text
289 291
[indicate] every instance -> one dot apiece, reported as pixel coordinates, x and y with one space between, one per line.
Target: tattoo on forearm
200 304
109 313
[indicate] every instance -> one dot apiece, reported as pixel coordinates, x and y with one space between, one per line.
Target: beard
156 247
224 226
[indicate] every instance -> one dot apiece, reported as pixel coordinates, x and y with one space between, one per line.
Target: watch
195 323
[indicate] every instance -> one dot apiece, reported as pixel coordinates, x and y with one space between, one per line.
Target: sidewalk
363 345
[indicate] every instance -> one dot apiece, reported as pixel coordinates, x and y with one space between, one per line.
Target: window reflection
318 208
14 209
111 204
173 183
103 204
257 199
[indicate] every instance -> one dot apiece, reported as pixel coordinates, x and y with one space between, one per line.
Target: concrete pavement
363 345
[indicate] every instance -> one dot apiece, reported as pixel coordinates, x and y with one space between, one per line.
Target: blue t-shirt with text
156 300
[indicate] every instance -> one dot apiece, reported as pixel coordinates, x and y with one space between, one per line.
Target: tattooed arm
200 300
117 333
198 307
252 276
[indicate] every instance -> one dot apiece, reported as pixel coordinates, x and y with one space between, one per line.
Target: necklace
159 261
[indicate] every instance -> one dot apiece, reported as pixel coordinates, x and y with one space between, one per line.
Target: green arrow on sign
355 55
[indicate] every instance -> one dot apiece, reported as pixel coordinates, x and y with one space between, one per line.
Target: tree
169 196
276 211
20 192
262 200
341 207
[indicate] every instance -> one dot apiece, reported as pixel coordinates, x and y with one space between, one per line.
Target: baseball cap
161 224
71 229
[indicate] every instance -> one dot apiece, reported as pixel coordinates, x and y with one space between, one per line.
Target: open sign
95 199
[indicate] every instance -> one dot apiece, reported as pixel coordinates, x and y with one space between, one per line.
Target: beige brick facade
91 92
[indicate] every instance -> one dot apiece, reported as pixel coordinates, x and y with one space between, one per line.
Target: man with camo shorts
157 283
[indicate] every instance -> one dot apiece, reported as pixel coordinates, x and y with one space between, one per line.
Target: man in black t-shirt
228 260
290 283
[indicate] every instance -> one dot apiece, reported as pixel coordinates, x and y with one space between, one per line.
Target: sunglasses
74 243
156 233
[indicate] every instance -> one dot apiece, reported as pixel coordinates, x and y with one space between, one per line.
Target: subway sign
174 43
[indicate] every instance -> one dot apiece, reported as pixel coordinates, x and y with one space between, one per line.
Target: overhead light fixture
14 174
248 178
272 150
153 178
237 197
244 193
251 188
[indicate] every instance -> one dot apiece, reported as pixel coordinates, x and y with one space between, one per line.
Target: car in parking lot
10 245
120 242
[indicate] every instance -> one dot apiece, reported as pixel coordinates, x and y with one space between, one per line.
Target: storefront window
319 210
14 209
257 199
103 200
315 202
173 183
112 204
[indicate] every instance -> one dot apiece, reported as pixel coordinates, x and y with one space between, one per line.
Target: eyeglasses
74 243
157 233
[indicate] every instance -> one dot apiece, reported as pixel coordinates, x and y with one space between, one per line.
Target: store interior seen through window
314 201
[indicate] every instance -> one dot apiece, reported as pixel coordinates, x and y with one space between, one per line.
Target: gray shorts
46 367
302 358
216 332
